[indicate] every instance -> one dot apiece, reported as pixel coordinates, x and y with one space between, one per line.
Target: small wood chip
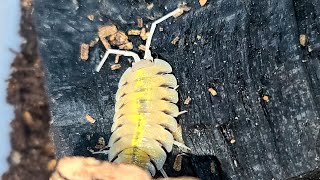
118 39
90 119
51 164
134 32
232 141
127 46
115 67
140 22
84 51
303 39
142 47
104 31
90 17
182 8
202 2
175 40
150 6
144 35
116 59
105 43
265 98
212 91
93 42
177 163
187 101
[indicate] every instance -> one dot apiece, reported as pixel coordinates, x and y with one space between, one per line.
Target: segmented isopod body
144 115
145 110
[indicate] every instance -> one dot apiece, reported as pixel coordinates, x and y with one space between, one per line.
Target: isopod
145 110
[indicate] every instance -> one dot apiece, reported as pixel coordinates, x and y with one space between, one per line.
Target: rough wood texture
243 49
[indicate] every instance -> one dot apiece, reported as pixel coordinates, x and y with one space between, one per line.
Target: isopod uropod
145 110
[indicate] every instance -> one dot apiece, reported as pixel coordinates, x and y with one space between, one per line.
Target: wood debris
28 119
116 59
182 8
93 42
177 163
90 168
144 35
202 2
134 32
84 51
212 91
265 98
90 17
127 46
140 23
175 40
187 101
115 67
90 119
119 38
303 39
142 47
104 31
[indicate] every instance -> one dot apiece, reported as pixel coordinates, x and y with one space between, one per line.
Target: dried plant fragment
187 101
142 47
134 32
140 22
84 51
115 67
175 40
90 17
303 39
90 119
212 91
202 2
127 46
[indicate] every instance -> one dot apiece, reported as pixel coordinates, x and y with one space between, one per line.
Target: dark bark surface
243 49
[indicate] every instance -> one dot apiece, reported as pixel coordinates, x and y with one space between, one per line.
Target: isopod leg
147 54
182 147
164 174
116 51
99 152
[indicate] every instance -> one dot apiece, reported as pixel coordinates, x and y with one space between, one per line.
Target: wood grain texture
243 49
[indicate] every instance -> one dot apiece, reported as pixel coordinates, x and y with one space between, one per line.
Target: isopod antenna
147 54
135 56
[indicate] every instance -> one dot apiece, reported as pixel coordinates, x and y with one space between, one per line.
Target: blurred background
9 43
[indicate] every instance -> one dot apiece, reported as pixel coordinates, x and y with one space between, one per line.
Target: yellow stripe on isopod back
147 106
156 93
155 117
167 80
162 135
148 145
